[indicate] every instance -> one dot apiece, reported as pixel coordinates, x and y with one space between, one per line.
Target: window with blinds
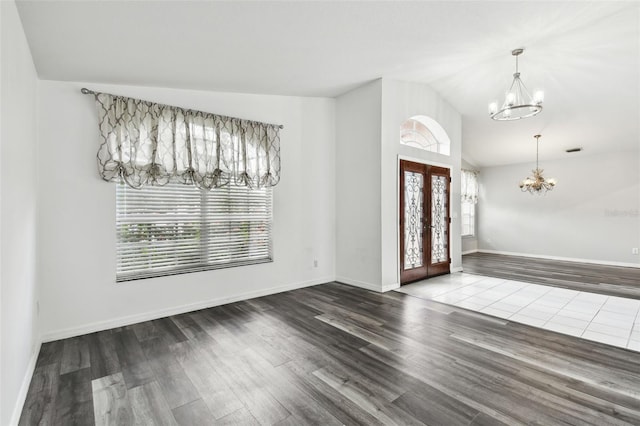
468 215
175 229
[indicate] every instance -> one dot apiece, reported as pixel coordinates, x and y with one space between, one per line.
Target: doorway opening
425 221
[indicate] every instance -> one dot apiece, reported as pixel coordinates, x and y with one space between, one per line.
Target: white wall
358 115
400 101
592 214
77 211
18 289
469 244
368 132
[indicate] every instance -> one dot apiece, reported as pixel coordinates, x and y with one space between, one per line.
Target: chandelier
537 184
518 103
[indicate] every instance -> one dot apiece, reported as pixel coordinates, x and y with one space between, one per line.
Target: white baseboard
367 286
470 251
566 259
390 287
24 388
161 313
456 269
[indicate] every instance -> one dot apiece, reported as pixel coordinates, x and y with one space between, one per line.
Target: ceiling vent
573 150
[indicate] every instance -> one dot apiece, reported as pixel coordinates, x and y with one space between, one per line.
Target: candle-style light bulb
538 97
493 108
511 98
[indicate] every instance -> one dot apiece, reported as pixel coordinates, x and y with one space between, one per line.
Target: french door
424 221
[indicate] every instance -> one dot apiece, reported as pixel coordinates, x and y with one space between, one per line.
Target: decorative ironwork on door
439 234
413 252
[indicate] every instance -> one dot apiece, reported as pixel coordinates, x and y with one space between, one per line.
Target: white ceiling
585 55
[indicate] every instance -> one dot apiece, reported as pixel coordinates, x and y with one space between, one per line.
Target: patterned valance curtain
144 143
469 187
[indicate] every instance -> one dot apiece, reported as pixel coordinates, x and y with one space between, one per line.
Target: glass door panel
413 212
439 221
439 237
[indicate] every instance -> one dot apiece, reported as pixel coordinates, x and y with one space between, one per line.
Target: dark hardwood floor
610 280
332 354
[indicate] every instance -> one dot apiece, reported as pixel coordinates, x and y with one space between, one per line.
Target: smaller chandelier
518 103
537 184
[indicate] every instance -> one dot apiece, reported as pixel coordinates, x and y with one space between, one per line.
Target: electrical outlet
37 308
315 263
634 250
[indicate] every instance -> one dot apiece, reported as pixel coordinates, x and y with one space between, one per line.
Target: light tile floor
607 319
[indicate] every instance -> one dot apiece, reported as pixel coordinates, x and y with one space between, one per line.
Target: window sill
187 270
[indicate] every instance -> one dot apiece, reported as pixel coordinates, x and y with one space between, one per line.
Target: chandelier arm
519 96
513 83
524 89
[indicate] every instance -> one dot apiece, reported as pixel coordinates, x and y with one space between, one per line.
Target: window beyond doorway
469 192
468 219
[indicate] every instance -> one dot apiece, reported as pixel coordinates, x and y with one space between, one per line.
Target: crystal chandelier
537 184
518 103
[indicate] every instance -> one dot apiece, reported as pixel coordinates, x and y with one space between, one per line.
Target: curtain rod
86 91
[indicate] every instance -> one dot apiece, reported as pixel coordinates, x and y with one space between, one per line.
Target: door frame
397 213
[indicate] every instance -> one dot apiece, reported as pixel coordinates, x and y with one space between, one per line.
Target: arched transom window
425 133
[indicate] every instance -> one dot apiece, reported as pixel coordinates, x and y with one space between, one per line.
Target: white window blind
468 219
469 192
176 228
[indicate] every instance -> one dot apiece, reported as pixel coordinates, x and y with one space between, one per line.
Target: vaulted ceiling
585 55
